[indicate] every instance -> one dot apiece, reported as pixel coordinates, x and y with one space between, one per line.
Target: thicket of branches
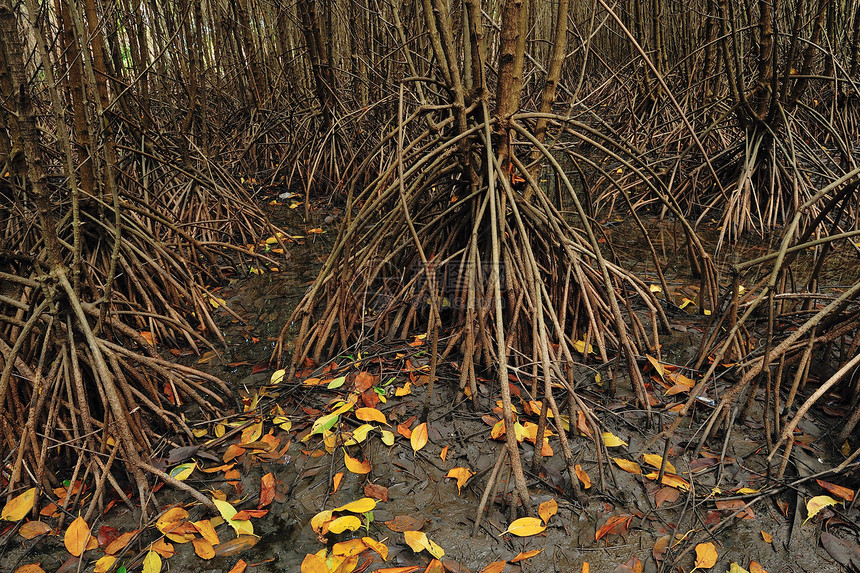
473 146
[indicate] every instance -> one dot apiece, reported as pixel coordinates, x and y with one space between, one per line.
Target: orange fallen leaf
526 554
30 568
617 524
706 556
628 466
380 548
77 536
583 477
267 490
239 567
163 548
837 490
462 475
444 454
356 466
755 567
407 569
585 567
203 548
495 567
370 415
547 509
120 542
767 536
336 481
419 437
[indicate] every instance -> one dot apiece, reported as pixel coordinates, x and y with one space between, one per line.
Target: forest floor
349 431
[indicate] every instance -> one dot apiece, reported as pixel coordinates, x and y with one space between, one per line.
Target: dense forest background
474 148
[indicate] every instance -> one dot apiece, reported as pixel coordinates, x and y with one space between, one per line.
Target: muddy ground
772 532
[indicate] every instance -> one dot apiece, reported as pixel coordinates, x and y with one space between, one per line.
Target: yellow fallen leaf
654 460
19 506
610 440
671 480
362 505
418 541
152 562
816 504
767 536
341 524
104 564
525 526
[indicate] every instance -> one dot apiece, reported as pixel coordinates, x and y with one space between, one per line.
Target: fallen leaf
356 466
585 567
443 454
610 440
19 506
240 567
227 511
33 528
336 479
655 461
583 477
767 536
370 415
816 504
735 568
30 568
362 505
77 536
380 548
547 509
203 548
207 530
235 546
671 480
526 554
402 523
847 554
837 490
756 567
245 514
152 562
376 491
349 548
163 548
665 494
617 524
662 544
419 437
418 541
407 569
495 567
462 475
267 490
706 556
120 542
735 505
628 466
104 564
341 524
525 526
